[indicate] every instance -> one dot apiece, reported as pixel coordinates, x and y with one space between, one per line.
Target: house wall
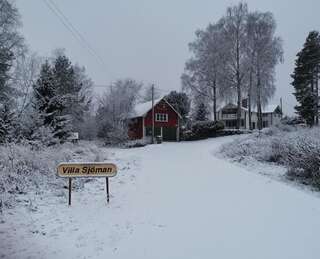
271 119
268 119
162 107
227 118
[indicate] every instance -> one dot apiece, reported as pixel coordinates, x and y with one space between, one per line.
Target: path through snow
174 200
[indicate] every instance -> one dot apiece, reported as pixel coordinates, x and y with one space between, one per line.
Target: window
231 123
265 124
162 117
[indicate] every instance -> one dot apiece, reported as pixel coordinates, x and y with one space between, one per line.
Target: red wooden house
166 121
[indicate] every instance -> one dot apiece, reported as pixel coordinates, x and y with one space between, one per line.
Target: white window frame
161 117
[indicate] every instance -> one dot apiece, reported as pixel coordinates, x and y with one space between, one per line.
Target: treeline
234 59
41 99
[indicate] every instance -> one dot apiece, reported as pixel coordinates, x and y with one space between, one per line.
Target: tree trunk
259 103
214 94
317 96
239 108
249 100
313 97
238 81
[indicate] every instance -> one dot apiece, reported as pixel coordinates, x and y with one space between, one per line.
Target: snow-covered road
174 200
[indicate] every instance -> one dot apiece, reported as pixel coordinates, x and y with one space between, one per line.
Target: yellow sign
87 170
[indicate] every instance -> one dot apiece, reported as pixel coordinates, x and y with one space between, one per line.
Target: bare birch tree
204 70
265 52
234 32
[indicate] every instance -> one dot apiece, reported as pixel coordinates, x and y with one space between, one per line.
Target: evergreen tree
5 64
180 102
64 77
305 79
50 101
7 113
73 84
44 94
62 96
201 112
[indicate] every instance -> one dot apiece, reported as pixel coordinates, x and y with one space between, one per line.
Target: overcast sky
148 39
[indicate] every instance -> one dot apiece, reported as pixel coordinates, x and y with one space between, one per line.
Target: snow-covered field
174 200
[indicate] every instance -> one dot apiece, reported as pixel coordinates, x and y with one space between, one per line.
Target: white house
271 115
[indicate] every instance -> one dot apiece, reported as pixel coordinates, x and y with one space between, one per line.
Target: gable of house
142 109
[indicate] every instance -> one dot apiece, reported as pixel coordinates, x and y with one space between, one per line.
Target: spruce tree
201 112
61 95
50 101
6 57
44 94
305 79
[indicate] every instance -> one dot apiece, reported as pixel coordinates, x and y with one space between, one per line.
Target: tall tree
45 93
306 77
11 43
234 32
264 51
203 72
52 100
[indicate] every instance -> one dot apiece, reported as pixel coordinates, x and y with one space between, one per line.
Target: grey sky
148 39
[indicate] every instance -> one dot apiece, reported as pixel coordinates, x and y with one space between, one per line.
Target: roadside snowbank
25 170
294 152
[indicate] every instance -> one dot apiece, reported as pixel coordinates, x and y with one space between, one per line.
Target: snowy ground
174 200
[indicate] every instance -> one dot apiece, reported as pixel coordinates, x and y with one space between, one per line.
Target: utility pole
152 88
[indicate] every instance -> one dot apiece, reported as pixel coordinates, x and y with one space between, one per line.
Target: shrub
302 157
203 130
297 148
25 169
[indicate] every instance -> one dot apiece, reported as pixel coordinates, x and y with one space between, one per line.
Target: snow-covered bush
138 143
25 169
254 146
297 148
203 130
302 156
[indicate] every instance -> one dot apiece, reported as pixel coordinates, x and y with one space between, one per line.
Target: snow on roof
270 108
142 108
267 109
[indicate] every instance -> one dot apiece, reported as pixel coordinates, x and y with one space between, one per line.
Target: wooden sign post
71 170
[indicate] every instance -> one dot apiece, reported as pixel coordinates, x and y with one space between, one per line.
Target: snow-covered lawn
174 200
